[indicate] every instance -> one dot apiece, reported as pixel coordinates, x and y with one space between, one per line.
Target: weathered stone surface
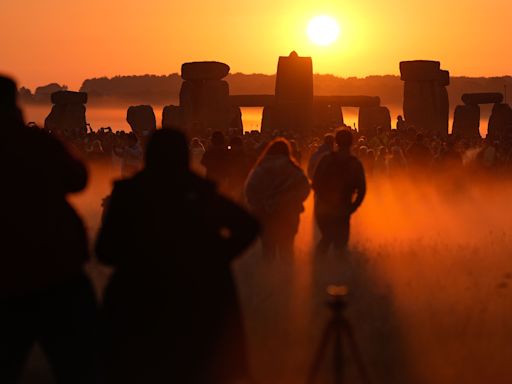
482 98
500 122
443 110
236 122
421 106
325 117
420 70
372 117
141 119
205 106
69 97
67 119
200 95
426 103
252 100
294 79
204 70
216 91
172 117
466 121
268 120
444 78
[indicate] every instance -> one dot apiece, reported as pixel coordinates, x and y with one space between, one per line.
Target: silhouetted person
45 296
338 178
326 147
275 190
215 159
171 312
400 124
419 154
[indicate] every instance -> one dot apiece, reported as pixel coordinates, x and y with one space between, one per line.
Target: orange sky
68 41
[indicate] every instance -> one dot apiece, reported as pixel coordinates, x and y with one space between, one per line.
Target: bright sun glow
323 30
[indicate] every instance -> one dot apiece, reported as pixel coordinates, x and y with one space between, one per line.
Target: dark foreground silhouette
44 294
171 312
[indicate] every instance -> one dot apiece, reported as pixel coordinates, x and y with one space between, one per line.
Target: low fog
429 274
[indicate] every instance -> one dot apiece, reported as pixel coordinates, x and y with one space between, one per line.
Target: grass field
430 279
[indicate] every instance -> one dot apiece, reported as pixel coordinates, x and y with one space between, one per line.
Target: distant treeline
161 90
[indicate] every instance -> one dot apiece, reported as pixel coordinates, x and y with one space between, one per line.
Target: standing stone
268 120
294 94
69 97
482 98
236 124
372 117
204 70
142 120
172 117
500 122
426 104
326 116
466 122
67 116
420 70
204 98
443 110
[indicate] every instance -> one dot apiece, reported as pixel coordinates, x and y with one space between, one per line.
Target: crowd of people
170 311
171 228
387 152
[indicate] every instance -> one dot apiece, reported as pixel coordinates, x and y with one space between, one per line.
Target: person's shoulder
354 159
120 186
37 134
328 157
126 185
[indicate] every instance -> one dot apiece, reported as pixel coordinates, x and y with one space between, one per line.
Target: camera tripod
338 328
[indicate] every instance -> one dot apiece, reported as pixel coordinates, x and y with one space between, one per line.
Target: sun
323 30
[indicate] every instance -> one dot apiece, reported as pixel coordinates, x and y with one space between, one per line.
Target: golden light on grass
323 30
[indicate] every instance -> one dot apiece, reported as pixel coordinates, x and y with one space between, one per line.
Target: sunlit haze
323 30
57 40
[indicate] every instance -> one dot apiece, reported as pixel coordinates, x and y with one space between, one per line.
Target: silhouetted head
277 147
167 151
236 143
218 139
8 105
400 118
329 141
344 139
196 143
420 137
7 93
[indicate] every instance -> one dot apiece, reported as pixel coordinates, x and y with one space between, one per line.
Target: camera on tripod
339 332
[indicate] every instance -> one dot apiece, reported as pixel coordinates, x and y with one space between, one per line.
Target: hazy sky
67 41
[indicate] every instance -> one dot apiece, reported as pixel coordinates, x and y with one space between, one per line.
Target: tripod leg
338 356
320 352
354 349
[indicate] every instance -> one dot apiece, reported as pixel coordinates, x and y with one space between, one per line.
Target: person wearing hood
275 191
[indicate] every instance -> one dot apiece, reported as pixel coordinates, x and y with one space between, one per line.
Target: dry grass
430 275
